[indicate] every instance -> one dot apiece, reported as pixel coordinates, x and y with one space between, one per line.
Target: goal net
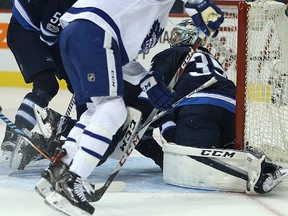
253 49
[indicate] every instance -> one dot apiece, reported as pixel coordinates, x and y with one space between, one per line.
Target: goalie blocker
219 169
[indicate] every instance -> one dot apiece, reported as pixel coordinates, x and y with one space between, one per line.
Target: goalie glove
205 15
159 95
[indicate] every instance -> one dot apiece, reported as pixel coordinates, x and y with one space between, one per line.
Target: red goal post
252 47
241 16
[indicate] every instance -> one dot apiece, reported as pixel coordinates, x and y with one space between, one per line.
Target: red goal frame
241 66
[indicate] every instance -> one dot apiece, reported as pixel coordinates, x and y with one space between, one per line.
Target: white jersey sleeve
135 24
133 72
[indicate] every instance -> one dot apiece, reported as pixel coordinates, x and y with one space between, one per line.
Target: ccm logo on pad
217 153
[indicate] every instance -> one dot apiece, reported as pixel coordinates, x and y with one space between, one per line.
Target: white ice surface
146 194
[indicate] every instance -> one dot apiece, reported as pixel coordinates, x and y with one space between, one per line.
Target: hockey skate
271 180
49 121
52 174
8 145
24 153
69 196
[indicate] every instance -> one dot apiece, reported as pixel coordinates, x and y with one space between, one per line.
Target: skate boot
8 145
52 124
69 196
271 180
48 121
24 152
52 174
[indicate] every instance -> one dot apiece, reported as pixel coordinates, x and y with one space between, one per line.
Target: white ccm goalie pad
131 126
211 169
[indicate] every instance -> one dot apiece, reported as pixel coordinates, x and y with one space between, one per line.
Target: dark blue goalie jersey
42 16
202 67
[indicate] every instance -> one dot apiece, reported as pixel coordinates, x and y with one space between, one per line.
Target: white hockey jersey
135 24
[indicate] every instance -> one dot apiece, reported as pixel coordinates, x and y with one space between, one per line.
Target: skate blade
59 203
284 173
5 156
16 156
44 188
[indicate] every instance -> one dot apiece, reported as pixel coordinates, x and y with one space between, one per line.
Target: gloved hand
206 15
158 93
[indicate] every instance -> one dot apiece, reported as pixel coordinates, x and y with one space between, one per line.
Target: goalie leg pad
131 126
209 169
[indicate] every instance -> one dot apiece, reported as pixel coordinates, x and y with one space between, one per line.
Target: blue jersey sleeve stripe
22 17
109 21
208 100
48 37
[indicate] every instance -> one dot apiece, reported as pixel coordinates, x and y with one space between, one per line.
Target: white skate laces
79 189
82 188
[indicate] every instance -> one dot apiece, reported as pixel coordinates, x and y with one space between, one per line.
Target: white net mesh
266 82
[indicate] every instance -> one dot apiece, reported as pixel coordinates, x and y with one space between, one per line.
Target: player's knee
45 85
111 112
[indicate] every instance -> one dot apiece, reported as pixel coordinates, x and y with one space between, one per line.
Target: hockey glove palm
158 93
206 15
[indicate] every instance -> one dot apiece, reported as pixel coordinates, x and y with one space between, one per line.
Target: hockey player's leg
62 158
149 147
219 169
25 118
52 174
27 47
94 142
71 189
124 139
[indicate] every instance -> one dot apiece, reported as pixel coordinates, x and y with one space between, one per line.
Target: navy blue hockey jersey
42 16
202 67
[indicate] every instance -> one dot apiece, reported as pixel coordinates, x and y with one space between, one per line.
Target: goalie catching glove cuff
158 93
206 15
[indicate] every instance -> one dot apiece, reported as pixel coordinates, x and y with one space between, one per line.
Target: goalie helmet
185 33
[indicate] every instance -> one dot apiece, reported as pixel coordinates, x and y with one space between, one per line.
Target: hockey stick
100 192
16 158
181 69
24 135
70 105
40 122
151 118
67 114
